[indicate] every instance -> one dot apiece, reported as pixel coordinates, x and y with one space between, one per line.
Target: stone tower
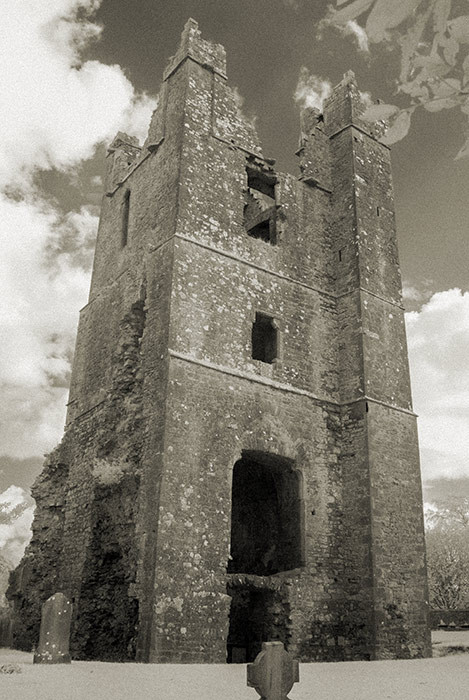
240 460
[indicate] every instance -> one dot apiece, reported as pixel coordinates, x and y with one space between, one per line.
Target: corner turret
206 53
345 107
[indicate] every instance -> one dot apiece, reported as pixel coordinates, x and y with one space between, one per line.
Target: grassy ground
450 642
440 678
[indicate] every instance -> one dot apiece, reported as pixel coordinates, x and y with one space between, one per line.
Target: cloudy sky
73 72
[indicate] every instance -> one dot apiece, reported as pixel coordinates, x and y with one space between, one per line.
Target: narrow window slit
125 219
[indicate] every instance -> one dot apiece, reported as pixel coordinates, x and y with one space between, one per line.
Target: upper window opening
260 211
264 339
125 218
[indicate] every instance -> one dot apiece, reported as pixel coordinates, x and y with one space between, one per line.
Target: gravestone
273 672
54 636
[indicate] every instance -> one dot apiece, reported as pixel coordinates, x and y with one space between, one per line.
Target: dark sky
267 42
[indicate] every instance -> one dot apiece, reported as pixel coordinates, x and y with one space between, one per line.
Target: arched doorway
266 539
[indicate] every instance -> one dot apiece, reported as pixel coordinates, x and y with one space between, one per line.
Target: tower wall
167 400
375 383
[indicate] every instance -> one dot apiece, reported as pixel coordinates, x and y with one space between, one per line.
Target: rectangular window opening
264 339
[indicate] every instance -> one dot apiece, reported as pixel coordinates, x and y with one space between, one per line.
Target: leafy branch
434 52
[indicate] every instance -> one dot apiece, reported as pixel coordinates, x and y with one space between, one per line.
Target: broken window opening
263 230
125 219
260 211
266 516
264 339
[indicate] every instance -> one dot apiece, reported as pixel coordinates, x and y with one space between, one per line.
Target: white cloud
11 498
42 288
353 28
16 516
55 110
311 90
438 337
410 292
416 295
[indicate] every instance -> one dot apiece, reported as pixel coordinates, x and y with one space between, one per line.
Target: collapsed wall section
96 465
37 577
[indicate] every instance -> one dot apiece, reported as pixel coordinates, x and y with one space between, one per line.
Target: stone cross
273 672
54 636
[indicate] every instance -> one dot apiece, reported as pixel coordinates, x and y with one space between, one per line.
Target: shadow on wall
106 628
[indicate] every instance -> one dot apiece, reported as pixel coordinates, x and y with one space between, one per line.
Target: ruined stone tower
240 460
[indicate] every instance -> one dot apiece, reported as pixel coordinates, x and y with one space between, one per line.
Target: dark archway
256 616
266 516
266 539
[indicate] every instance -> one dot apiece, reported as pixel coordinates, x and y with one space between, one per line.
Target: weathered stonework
203 501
